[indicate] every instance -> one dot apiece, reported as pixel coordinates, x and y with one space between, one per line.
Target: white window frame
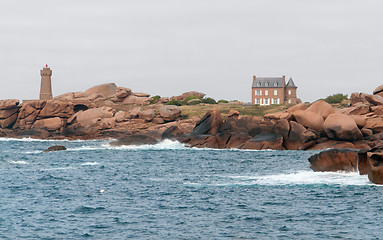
275 92
258 101
289 92
266 92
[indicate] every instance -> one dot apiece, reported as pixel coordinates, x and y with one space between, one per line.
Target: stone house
273 90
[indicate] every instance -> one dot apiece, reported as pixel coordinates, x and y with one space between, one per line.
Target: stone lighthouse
46 86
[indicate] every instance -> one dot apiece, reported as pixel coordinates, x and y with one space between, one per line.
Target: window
289 92
258 92
275 92
266 92
258 84
258 101
266 101
266 84
275 84
275 101
289 100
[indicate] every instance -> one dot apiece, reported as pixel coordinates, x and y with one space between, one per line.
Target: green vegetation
173 102
186 100
209 101
336 98
223 101
155 99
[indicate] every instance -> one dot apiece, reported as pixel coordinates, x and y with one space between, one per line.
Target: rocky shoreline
110 112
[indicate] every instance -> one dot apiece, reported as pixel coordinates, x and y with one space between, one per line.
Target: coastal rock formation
170 112
106 90
342 127
187 94
138 139
335 160
55 148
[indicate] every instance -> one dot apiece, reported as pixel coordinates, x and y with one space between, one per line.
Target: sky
169 47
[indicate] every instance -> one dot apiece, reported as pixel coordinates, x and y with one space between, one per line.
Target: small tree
335 98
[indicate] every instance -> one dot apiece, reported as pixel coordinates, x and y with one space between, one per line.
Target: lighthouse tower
46 85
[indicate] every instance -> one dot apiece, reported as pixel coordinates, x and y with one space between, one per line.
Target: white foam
89 164
310 178
55 169
163 145
18 162
297 178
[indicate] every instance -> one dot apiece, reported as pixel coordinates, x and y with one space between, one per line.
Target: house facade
273 90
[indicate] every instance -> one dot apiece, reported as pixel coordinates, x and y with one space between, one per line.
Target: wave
89 163
18 162
298 178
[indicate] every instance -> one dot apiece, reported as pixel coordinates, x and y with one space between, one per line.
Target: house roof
268 82
291 83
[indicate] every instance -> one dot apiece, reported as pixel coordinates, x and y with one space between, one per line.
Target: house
273 90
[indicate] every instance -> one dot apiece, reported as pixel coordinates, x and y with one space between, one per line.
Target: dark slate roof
271 82
291 83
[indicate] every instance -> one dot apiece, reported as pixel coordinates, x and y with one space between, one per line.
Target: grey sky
169 47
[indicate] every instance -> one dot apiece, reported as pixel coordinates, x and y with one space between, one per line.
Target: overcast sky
167 47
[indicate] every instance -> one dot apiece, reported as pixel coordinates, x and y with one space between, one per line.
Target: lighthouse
46 85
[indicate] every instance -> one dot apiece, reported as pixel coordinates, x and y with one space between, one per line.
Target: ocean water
168 191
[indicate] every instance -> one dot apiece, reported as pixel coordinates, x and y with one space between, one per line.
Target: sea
168 191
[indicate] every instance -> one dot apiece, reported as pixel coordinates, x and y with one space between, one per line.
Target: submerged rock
138 139
55 148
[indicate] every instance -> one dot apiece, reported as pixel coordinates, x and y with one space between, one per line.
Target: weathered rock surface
209 124
9 104
49 124
88 117
122 92
173 133
170 112
147 115
322 108
134 100
188 94
138 139
309 119
335 160
107 89
55 148
342 127
265 141
55 108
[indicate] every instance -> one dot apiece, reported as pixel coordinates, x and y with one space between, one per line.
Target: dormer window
275 84
258 84
266 84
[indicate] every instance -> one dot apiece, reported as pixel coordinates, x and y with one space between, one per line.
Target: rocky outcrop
342 127
55 148
138 139
322 108
335 160
8 112
187 94
170 113
106 90
49 124
265 141
211 123
136 100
